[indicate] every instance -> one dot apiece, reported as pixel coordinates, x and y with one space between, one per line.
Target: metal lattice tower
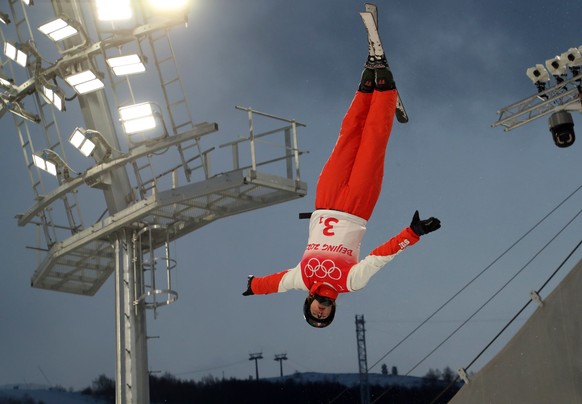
154 187
362 359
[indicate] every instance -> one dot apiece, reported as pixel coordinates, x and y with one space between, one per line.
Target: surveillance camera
562 128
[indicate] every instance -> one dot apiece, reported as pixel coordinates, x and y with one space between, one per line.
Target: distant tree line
169 389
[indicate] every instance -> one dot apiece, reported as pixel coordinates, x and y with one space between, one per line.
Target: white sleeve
292 280
361 273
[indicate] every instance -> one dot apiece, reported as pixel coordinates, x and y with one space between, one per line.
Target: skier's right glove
422 227
249 291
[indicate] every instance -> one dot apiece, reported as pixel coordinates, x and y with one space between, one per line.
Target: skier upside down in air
347 190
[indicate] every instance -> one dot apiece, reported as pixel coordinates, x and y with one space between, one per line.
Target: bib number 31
328 223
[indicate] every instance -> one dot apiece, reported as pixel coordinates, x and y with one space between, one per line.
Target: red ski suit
348 188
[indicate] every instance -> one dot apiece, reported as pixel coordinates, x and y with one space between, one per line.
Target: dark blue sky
456 63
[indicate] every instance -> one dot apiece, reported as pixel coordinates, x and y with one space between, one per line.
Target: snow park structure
88 69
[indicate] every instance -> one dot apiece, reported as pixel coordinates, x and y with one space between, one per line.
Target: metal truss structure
565 95
153 186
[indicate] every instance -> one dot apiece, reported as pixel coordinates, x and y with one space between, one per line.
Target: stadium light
58 29
4 18
87 140
53 95
137 118
16 52
113 10
126 65
5 81
52 163
168 5
84 82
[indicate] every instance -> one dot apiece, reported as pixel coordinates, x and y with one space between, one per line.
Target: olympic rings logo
325 269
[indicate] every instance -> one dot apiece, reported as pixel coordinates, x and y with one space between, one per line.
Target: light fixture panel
113 10
89 86
126 65
58 29
85 82
44 164
4 18
87 148
139 118
168 5
14 52
53 95
139 125
135 111
77 138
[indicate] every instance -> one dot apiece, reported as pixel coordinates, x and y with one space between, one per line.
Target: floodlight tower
559 99
150 161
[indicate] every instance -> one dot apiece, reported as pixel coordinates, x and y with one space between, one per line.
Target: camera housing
562 128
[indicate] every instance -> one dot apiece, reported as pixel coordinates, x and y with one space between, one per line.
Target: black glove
422 227
249 291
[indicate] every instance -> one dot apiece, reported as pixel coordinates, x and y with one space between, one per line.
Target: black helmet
314 321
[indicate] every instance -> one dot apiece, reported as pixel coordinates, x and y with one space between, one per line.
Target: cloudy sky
456 63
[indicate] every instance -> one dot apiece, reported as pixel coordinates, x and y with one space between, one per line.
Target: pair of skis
376 55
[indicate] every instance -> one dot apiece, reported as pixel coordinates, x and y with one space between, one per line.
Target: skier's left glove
422 227
249 291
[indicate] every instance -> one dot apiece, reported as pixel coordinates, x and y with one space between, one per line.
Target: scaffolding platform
84 261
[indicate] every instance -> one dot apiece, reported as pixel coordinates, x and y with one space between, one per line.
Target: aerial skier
347 191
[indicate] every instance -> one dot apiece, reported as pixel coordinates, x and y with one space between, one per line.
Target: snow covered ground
42 394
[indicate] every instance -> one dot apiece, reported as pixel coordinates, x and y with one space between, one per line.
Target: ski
376 55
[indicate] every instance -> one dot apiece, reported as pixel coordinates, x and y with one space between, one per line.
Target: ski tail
372 9
376 55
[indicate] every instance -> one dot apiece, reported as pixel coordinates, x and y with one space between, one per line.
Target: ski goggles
324 301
